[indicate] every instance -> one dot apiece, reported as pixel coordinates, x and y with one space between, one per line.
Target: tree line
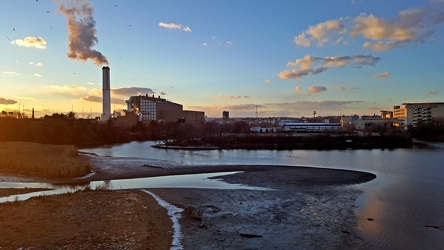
67 129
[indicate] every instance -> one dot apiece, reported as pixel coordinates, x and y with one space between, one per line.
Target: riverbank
305 208
292 141
86 220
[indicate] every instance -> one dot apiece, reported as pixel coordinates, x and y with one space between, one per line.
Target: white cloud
174 26
267 81
382 75
413 26
341 88
31 99
36 42
319 33
231 97
38 75
316 89
10 73
132 91
229 43
298 89
67 90
38 64
315 65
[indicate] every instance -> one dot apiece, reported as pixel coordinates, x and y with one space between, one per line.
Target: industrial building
361 122
411 114
311 126
150 108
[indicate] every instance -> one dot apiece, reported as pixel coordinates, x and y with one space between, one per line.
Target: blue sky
287 58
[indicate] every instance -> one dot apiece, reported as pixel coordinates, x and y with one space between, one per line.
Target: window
148 110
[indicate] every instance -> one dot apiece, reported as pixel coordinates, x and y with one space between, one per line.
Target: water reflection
174 181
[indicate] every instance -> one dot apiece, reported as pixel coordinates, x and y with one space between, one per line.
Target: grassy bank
39 160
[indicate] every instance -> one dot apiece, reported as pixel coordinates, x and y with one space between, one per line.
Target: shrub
34 159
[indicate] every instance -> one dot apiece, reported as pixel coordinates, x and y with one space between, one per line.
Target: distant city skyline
279 58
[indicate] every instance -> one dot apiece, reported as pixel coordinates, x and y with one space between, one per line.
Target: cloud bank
132 91
413 26
4 101
326 107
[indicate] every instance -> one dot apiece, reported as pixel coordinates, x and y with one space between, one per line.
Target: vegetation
33 159
63 129
430 131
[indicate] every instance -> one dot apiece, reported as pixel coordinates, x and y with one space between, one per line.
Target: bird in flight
13 29
115 5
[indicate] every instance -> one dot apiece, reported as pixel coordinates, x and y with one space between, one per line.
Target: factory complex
147 108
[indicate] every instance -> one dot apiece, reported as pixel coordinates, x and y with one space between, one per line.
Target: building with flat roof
150 108
411 114
362 122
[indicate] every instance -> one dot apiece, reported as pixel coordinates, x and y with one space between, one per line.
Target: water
402 209
174 181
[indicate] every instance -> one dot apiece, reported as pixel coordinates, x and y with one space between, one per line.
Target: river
403 208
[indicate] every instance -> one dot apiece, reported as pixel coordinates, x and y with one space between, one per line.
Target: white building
411 114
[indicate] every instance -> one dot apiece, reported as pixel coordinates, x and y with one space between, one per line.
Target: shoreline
307 208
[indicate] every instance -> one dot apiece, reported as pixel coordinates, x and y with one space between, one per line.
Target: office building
412 114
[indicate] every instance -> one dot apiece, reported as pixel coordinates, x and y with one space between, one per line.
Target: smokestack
106 92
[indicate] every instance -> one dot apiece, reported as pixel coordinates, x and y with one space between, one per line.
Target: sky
284 58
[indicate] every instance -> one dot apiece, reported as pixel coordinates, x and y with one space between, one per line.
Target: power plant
106 92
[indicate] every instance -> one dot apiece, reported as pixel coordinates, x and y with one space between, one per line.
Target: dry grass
41 160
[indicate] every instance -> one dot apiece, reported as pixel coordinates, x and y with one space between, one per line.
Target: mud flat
303 208
307 208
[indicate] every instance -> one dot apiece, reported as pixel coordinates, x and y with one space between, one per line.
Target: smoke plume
82 32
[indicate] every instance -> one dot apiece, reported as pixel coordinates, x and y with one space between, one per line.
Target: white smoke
82 32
